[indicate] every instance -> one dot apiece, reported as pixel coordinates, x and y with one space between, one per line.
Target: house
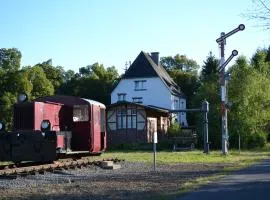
129 122
147 83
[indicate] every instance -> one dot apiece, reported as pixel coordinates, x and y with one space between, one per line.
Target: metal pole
154 152
205 109
206 143
224 134
239 143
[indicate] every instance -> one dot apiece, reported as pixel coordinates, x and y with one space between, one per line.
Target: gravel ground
132 181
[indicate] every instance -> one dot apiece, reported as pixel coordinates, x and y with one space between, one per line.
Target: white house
146 82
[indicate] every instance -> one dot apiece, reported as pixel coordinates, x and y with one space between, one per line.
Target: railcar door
103 129
95 145
81 128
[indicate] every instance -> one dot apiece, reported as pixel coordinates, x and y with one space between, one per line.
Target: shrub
174 130
258 139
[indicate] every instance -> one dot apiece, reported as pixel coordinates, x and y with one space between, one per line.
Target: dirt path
132 181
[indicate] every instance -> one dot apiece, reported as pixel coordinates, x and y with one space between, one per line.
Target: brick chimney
155 57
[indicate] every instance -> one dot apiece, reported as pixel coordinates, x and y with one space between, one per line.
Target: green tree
68 75
56 75
260 62
249 91
7 99
10 59
209 69
93 82
12 82
41 86
180 62
209 90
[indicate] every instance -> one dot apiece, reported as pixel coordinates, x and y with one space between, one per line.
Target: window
126 118
140 85
80 113
121 96
137 99
175 104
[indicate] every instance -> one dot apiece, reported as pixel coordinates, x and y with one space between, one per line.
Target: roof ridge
160 69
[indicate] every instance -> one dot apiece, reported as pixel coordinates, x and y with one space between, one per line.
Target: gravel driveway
132 181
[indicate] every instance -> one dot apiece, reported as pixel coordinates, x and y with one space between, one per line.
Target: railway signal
223 83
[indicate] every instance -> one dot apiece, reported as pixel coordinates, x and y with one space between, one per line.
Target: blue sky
75 33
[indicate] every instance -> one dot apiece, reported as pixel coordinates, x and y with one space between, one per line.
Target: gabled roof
145 67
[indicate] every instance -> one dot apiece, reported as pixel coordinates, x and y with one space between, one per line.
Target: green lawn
244 158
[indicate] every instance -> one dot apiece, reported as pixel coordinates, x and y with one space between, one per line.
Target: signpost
223 84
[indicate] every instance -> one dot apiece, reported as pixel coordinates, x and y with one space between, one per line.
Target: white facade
149 91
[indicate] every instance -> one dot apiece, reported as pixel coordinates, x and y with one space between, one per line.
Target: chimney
155 57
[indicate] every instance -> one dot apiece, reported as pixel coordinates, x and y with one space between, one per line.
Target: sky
77 33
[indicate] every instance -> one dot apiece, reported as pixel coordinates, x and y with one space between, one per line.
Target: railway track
33 168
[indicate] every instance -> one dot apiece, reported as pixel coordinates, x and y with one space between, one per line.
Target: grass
166 157
233 161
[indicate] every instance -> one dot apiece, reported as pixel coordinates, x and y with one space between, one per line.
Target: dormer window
121 96
140 85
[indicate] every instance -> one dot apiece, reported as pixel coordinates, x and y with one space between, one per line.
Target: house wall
119 135
154 93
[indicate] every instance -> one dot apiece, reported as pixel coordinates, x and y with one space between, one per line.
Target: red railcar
76 125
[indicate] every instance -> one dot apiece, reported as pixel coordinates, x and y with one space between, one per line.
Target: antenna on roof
126 68
128 64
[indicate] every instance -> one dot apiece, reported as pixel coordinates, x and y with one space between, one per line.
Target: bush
258 139
174 130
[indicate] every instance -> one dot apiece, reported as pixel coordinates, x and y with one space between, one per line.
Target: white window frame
139 85
121 96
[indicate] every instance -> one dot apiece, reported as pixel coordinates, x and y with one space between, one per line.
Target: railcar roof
68 100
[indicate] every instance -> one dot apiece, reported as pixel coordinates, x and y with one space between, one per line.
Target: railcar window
80 113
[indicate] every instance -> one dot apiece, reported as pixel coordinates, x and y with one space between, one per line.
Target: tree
10 59
180 62
209 90
41 86
54 74
209 69
260 61
249 91
68 75
93 82
188 82
260 13
12 82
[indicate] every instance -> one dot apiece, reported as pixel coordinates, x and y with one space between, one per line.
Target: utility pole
223 85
